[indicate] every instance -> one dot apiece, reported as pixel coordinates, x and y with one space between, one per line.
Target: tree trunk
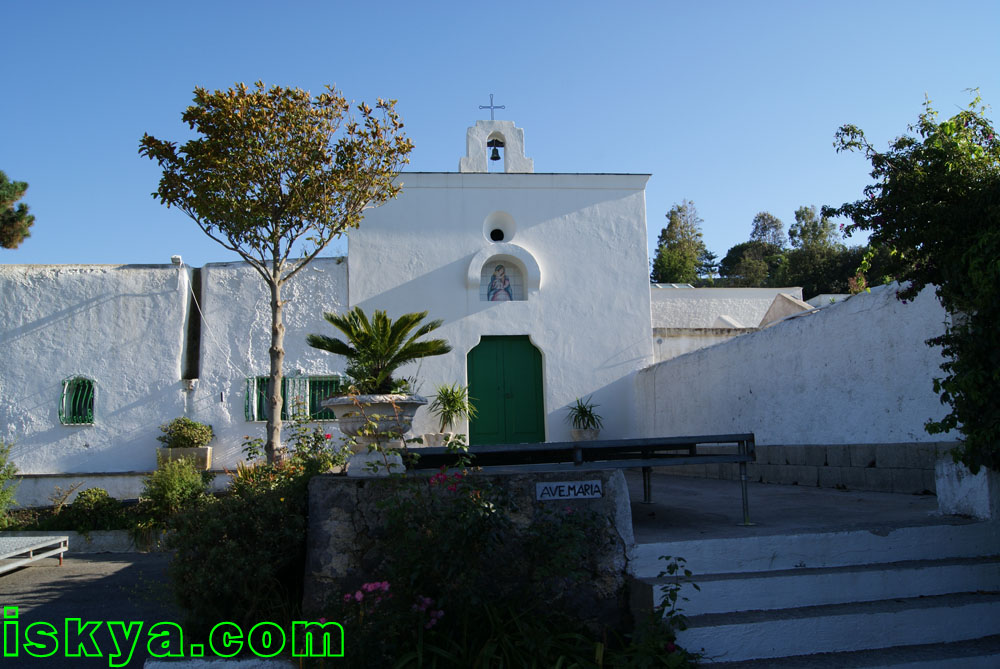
277 352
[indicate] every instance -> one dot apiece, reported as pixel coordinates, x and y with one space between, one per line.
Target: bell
496 154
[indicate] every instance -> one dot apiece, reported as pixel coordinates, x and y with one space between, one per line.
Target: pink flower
322 620
452 487
358 596
327 436
347 597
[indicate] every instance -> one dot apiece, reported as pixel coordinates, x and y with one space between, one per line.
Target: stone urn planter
374 420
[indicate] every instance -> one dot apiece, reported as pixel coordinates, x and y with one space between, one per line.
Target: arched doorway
505 380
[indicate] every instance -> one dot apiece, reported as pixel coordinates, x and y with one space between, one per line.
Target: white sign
569 490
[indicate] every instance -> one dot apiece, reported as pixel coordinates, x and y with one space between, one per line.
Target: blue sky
732 105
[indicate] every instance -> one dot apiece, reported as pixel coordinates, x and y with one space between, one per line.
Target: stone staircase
926 596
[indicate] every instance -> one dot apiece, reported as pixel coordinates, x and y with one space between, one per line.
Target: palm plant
376 348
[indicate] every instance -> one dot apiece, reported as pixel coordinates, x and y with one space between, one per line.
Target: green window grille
295 389
321 388
76 406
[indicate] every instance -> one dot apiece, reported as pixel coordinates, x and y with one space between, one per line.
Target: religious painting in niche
501 282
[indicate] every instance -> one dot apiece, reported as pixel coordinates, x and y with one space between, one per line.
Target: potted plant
586 422
378 407
450 404
186 438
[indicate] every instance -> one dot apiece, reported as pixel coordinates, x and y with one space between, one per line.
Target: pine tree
679 249
14 223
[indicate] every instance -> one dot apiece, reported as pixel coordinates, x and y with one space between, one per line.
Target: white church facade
542 284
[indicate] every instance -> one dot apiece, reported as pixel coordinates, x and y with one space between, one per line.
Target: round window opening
496 234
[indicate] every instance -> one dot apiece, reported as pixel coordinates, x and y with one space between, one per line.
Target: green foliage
185 433
452 403
455 580
811 230
376 348
270 179
934 208
240 557
94 509
8 482
680 252
14 223
751 264
582 415
768 229
175 485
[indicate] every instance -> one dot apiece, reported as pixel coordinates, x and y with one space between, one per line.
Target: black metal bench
605 454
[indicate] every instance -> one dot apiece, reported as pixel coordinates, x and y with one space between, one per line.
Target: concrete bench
16 552
604 454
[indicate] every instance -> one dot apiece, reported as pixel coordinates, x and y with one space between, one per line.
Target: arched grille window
76 407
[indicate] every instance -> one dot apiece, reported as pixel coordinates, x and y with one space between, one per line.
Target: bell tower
496 140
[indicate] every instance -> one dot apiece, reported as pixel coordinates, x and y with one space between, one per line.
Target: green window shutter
255 406
321 388
76 406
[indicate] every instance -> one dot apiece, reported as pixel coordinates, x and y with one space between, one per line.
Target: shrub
241 556
185 433
93 509
174 486
8 484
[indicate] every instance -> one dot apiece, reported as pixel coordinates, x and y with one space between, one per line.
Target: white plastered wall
682 306
589 315
854 372
236 336
121 326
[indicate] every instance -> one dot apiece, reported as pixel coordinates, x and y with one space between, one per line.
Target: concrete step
973 654
790 588
750 635
754 553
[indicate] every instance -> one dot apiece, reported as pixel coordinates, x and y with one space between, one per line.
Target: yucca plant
452 403
376 348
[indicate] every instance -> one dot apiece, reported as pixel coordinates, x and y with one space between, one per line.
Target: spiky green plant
376 348
452 403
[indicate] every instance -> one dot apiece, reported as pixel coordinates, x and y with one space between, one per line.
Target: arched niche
512 257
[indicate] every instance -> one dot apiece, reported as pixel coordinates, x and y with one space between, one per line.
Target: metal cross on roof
491 107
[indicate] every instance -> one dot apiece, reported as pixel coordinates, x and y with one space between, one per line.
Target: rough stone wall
901 468
345 523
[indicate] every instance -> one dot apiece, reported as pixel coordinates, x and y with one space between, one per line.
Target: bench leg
746 501
647 485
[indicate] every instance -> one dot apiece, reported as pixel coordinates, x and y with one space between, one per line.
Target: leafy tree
751 264
267 176
679 249
14 223
934 207
811 230
768 229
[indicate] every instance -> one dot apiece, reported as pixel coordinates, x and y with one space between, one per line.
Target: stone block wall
345 523
903 468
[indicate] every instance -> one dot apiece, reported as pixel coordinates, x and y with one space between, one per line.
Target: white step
842 627
722 593
828 549
972 654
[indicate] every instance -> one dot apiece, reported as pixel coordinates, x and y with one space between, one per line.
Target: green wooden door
505 379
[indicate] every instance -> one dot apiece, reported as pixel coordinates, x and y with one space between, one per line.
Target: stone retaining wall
345 522
903 468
